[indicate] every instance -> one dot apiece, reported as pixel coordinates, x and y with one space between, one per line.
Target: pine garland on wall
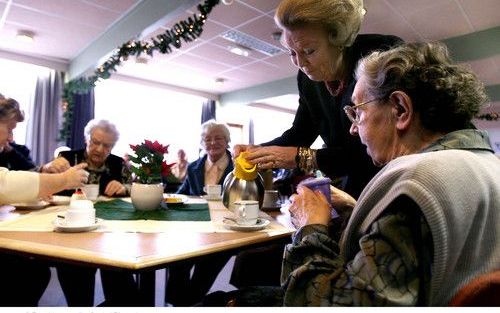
186 30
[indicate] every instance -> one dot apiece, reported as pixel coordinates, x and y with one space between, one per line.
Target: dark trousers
184 289
78 285
23 280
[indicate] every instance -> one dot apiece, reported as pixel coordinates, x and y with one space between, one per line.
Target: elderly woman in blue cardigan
210 169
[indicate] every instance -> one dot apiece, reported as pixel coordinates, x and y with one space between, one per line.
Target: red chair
482 291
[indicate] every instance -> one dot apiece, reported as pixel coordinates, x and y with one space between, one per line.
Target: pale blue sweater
458 191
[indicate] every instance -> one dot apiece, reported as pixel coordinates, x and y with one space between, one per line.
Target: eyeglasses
214 140
94 142
352 111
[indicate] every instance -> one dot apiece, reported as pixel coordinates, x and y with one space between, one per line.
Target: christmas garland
493 116
187 30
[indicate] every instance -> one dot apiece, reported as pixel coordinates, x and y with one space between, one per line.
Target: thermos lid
243 169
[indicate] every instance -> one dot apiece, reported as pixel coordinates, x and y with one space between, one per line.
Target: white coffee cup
91 191
247 212
80 213
213 190
271 199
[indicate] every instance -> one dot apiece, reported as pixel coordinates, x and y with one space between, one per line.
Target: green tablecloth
118 209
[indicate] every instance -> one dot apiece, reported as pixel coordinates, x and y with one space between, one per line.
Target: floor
54 297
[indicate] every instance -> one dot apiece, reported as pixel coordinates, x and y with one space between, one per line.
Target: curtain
251 128
208 111
44 122
83 112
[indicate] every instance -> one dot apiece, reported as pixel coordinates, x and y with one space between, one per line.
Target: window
143 112
18 81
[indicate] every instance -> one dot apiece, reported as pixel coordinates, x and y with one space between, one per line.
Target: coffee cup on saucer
247 212
80 213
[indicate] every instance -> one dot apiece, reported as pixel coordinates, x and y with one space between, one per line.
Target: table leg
146 286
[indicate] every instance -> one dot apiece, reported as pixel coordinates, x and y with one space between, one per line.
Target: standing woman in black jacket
322 39
323 42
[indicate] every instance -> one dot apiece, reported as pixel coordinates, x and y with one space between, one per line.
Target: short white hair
213 124
103 125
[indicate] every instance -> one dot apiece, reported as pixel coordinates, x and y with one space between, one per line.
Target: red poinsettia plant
148 163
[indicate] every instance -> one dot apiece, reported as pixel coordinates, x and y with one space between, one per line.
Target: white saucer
261 224
212 198
37 205
60 200
61 227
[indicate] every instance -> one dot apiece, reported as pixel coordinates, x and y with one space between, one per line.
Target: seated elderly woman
184 289
105 168
427 223
12 155
25 280
214 165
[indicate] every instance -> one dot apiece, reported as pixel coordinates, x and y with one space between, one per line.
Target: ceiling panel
482 14
66 27
266 6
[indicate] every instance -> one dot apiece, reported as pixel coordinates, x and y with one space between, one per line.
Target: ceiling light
251 42
219 81
239 50
227 2
25 36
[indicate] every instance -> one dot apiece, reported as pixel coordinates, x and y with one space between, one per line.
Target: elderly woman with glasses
214 165
322 39
111 173
106 169
184 289
427 223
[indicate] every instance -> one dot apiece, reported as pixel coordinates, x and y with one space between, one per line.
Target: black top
321 114
113 169
17 159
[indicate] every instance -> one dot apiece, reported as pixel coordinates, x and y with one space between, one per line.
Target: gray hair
9 109
445 95
103 125
213 124
341 18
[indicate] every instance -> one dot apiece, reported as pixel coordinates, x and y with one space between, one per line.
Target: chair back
482 291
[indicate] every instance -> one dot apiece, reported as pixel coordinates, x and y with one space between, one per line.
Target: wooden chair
482 291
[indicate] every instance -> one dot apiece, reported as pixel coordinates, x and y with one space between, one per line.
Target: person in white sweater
427 223
25 280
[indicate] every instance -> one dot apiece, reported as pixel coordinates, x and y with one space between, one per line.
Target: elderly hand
309 207
272 156
58 165
115 188
237 149
342 202
75 176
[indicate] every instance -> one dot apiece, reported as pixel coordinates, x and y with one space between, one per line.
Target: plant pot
146 197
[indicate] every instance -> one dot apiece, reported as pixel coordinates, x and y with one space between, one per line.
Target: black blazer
321 114
17 159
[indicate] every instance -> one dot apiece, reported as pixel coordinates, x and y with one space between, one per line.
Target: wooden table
141 253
